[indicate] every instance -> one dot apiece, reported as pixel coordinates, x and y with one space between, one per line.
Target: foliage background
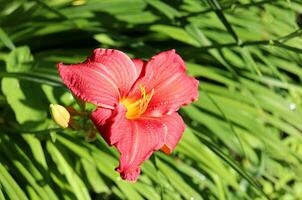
243 137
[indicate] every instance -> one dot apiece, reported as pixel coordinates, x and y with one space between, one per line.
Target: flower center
135 108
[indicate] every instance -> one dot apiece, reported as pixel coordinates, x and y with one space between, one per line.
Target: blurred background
243 136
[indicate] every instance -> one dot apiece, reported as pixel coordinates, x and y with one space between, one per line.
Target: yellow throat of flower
135 108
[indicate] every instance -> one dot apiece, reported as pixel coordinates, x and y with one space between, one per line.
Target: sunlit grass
243 138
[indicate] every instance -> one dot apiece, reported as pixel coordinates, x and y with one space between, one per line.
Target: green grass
244 134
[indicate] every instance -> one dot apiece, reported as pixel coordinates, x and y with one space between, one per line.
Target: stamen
136 108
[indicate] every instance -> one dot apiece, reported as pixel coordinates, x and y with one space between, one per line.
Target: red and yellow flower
137 101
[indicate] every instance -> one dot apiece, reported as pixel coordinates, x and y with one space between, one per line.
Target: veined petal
139 64
102 79
174 128
119 67
145 136
175 92
135 140
99 117
88 84
165 74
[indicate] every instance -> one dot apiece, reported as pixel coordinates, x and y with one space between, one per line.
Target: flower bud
60 115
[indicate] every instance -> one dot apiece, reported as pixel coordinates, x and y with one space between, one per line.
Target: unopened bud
60 115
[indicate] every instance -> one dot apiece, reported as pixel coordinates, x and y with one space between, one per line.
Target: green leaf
6 40
19 60
1 193
251 88
175 33
73 179
29 171
10 186
236 167
37 150
164 8
176 180
217 9
31 193
27 100
94 177
193 148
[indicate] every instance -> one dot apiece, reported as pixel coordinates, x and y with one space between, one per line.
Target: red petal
135 139
102 79
165 73
99 118
174 129
139 64
118 66
136 146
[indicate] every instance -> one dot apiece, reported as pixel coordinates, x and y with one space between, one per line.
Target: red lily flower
137 101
